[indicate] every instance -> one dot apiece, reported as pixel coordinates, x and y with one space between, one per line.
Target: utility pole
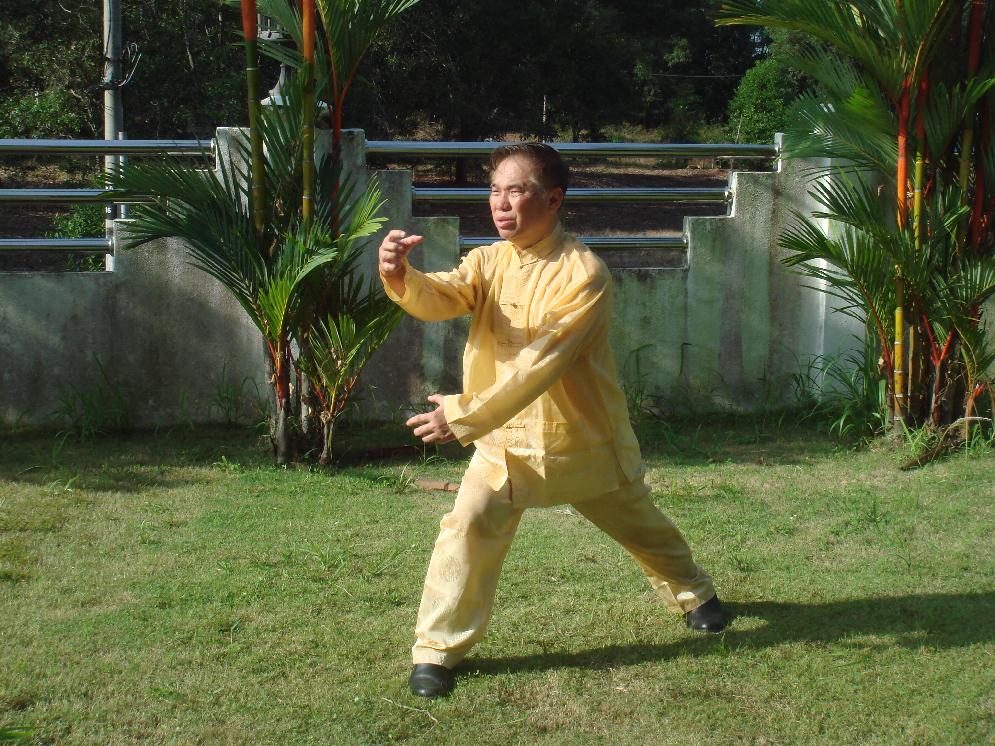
113 111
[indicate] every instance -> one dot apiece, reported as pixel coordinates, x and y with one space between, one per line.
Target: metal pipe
42 146
406 148
597 242
113 109
70 195
74 245
107 147
665 194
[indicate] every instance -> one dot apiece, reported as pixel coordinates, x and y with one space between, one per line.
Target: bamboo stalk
902 178
249 33
307 166
915 356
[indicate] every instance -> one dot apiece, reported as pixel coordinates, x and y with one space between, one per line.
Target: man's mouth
505 222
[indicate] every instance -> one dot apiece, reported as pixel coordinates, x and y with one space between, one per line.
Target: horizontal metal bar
597 243
38 146
69 195
413 148
662 194
74 245
107 147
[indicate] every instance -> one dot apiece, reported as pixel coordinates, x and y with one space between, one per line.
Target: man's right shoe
430 680
709 617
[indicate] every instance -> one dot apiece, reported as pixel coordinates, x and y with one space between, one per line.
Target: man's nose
500 201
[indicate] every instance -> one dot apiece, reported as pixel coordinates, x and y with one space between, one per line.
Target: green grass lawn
178 588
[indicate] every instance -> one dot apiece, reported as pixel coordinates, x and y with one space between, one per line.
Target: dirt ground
590 219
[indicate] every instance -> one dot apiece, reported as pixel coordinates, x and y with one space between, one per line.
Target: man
542 405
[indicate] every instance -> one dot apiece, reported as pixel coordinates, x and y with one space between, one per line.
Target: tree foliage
187 82
478 69
472 68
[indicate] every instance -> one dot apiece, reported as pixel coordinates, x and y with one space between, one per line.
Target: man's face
523 211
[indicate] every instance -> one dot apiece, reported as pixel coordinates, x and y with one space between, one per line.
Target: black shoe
430 680
709 617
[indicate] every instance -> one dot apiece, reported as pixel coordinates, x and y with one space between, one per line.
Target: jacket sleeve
437 296
580 316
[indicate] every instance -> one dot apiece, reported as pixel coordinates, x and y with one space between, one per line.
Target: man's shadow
942 621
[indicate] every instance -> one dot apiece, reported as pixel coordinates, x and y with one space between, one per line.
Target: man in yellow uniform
541 403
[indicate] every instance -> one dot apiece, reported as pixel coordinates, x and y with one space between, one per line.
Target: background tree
762 101
49 61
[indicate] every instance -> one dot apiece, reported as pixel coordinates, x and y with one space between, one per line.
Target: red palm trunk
307 166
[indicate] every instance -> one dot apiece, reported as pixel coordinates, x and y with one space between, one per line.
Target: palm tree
893 92
344 34
295 272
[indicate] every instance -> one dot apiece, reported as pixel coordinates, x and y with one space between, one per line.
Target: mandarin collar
541 249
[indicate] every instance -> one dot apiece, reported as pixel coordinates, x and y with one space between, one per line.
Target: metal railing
622 194
598 243
74 245
107 147
408 148
395 148
178 148
71 195
418 149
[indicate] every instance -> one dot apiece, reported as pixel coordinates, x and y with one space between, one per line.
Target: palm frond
853 272
819 129
851 199
350 27
947 109
208 211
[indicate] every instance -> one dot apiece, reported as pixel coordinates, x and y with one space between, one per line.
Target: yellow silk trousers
476 535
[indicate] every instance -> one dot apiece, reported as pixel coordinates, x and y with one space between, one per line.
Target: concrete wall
724 331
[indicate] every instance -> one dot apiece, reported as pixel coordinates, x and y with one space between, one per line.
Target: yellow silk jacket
541 400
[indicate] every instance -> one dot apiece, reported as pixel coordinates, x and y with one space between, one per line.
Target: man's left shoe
430 680
709 617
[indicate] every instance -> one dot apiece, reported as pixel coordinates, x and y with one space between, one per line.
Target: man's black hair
550 169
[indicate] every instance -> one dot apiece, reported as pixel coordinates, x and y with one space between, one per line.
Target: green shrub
82 221
760 106
51 113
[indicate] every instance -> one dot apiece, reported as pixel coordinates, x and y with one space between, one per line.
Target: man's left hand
432 427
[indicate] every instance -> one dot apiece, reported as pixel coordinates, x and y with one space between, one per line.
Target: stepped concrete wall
725 331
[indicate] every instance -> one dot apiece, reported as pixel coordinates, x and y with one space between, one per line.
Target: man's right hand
394 248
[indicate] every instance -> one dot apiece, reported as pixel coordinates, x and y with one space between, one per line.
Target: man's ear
555 198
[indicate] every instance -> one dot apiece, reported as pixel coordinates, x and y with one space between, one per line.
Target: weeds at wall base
104 407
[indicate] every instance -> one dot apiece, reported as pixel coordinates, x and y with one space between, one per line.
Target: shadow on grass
132 462
911 622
